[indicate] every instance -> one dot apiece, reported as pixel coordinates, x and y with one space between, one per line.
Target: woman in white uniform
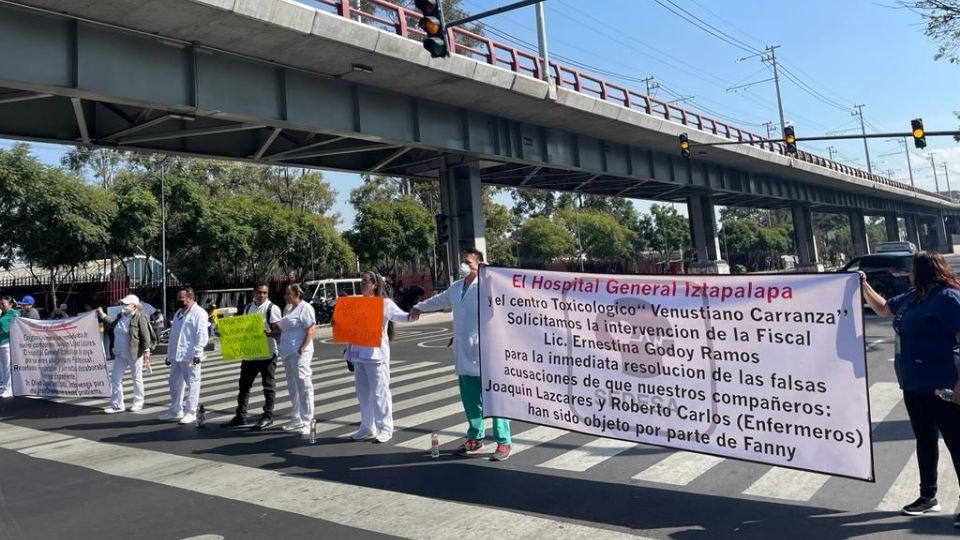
371 369
295 344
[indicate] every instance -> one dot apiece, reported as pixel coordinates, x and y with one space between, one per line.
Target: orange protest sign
358 320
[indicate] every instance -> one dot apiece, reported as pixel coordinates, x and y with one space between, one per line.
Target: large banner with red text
765 368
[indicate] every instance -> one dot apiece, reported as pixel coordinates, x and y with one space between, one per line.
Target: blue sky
848 52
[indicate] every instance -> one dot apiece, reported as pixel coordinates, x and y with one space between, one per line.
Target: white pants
372 381
6 376
184 374
120 365
296 367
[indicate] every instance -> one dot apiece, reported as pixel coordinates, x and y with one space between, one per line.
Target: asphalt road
68 470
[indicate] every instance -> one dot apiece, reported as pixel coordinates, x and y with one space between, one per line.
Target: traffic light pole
836 138
495 11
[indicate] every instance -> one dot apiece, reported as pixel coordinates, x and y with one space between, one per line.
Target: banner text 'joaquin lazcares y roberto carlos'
767 368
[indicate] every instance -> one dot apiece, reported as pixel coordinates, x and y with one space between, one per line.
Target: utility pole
651 83
906 148
542 38
163 243
776 82
833 153
946 175
769 126
863 131
771 57
934 167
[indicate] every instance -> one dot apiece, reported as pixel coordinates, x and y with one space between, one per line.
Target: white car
895 247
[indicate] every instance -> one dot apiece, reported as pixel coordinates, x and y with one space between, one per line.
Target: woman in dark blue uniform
926 319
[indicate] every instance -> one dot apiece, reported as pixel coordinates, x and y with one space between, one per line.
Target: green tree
65 223
20 174
541 240
671 232
136 227
942 20
105 164
498 224
387 232
600 235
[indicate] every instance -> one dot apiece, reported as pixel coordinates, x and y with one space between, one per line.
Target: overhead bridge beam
186 133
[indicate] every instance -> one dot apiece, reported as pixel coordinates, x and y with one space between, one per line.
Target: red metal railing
401 21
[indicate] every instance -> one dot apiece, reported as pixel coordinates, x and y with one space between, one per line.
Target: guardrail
402 21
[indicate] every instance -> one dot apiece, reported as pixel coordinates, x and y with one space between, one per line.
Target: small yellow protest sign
243 338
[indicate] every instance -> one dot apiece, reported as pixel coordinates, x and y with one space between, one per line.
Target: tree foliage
542 240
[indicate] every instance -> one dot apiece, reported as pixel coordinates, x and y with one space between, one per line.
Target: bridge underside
69 81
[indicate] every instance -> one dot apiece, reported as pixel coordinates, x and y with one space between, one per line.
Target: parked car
887 273
895 247
322 295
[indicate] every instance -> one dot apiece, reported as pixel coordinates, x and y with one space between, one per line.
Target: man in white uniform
188 337
462 297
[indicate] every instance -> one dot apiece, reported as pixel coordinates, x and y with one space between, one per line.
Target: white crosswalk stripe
429 402
792 485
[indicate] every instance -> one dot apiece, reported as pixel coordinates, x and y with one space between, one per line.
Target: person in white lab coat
188 337
131 349
295 330
371 368
462 297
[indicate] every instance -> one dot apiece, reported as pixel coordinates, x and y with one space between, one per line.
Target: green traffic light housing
919 135
790 140
433 25
684 146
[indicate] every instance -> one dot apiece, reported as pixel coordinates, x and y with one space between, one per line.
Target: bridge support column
461 199
913 230
858 233
943 244
703 229
892 226
804 240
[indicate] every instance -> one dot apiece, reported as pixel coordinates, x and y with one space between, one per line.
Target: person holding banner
295 330
926 319
249 369
188 337
7 314
371 368
462 297
131 349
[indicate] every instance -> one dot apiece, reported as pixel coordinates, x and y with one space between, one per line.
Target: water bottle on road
946 394
434 445
201 416
313 431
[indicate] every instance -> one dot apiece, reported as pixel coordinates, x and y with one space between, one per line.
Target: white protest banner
766 368
58 358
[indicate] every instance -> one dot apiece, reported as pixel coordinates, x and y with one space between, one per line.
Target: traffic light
443 228
684 146
919 136
433 25
790 140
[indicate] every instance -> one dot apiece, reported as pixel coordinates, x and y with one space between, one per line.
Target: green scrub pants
471 395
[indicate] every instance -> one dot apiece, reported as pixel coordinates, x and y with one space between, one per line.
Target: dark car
887 273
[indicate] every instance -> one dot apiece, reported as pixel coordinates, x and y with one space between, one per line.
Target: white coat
188 335
466 324
357 353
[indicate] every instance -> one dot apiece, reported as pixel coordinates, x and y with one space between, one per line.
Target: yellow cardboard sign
243 338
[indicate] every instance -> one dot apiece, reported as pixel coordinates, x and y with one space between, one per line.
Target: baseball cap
28 300
130 299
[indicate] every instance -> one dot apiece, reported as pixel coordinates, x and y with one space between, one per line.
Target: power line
706 27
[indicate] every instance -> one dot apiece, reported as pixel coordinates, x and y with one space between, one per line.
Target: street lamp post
163 241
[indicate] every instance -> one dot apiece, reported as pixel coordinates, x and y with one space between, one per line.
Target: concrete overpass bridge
330 86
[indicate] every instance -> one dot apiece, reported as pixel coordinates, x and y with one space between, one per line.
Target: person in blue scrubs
926 319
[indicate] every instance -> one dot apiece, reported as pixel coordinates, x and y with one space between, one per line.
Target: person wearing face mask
372 368
462 297
188 337
7 314
131 349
